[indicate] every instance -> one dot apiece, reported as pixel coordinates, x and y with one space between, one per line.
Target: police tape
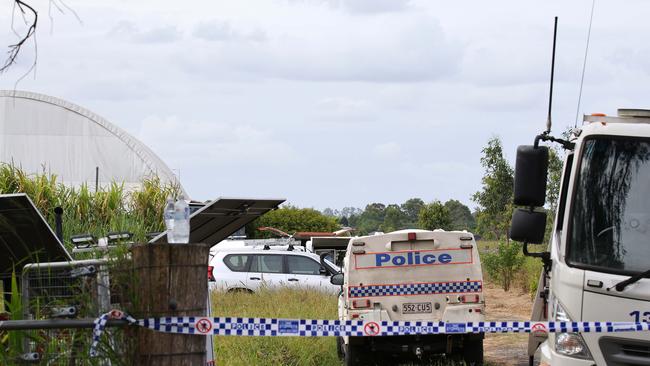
231 326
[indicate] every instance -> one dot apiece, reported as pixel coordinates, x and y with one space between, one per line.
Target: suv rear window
301 265
237 262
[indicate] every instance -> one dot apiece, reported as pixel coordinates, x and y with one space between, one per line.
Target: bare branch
14 49
49 13
72 11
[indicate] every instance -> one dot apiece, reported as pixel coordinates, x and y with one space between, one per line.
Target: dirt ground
506 349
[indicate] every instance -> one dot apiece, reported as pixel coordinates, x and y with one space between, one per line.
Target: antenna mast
550 97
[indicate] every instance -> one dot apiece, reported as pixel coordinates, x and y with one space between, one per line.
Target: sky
334 103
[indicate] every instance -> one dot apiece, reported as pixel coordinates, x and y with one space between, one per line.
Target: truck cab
599 252
412 275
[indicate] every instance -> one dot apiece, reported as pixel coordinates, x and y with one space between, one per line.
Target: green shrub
503 264
529 275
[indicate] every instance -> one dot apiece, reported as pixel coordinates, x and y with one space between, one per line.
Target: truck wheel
356 355
339 347
473 352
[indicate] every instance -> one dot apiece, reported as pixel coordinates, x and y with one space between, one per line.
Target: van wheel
355 355
339 347
473 352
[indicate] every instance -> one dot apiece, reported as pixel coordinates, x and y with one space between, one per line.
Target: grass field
284 303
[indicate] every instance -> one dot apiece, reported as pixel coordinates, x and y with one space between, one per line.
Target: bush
503 264
529 275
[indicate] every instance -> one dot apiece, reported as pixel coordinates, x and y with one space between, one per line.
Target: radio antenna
584 63
550 96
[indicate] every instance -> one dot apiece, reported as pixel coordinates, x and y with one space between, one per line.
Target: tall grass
109 208
283 303
85 211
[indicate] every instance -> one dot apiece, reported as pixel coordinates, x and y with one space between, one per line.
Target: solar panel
222 217
25 236
332 242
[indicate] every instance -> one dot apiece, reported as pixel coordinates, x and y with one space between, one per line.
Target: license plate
416 308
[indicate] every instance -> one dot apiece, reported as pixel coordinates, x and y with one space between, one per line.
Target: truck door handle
293 279
255 278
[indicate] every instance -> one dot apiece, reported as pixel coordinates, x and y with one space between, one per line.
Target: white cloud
389 150
408 48
203 144
219 30
130 31
371 6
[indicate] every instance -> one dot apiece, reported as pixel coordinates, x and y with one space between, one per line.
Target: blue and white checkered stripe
416 289
100 325
322 328
229 326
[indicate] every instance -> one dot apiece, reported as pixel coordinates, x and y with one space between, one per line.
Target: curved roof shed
39 132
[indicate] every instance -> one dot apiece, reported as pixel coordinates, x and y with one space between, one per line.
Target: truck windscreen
610 224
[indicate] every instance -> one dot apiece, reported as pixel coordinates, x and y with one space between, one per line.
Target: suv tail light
358 304
211 274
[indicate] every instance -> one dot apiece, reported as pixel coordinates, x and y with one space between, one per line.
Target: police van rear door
414 274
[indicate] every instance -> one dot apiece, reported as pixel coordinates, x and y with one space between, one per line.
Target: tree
331 212
24 21
461 216
434 216
495 197
349 211
394 219
30 18
344 221
553 181
371 218
504 264
292 219
411 209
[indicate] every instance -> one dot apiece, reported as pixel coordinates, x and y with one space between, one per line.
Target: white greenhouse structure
40 133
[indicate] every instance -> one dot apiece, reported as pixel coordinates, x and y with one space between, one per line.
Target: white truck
598 257
411 275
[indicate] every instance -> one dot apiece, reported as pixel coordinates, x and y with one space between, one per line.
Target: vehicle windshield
610 225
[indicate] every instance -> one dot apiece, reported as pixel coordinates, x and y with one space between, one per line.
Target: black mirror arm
544 256
567 145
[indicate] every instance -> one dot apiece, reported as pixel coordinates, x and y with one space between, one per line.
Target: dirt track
506 349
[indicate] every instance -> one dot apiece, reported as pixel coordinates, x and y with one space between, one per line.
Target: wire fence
52 294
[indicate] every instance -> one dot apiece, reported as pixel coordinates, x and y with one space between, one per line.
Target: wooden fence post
169 280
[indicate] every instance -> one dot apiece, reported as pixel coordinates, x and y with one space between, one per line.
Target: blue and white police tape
100 325
230 326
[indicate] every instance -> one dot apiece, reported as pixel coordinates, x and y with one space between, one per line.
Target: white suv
249 269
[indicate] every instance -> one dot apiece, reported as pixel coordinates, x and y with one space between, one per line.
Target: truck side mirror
531 170
337 279
528 226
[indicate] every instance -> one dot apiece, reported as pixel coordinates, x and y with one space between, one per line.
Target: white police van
412 275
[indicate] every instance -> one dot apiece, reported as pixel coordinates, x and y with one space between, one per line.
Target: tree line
490 219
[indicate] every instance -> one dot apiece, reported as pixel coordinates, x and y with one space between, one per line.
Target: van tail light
355 316
469 299
359 304
211 274
411 236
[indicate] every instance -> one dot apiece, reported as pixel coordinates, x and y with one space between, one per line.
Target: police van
411 275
